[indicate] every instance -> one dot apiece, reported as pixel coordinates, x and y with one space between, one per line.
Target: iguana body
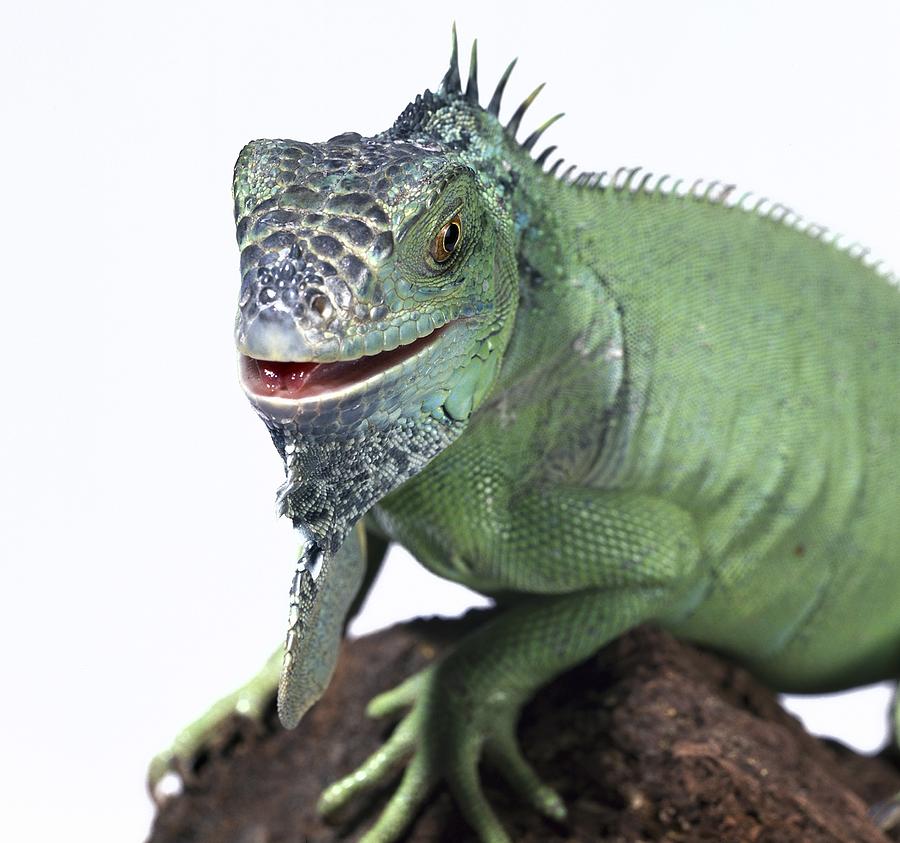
639 405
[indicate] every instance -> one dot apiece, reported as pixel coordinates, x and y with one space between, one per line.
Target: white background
143 572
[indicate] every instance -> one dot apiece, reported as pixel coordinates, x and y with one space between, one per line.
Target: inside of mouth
293 380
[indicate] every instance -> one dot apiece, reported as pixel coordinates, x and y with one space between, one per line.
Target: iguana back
763 370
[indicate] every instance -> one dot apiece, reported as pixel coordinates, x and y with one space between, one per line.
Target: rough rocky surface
650 740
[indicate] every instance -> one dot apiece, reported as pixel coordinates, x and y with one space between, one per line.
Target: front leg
468 704
312 661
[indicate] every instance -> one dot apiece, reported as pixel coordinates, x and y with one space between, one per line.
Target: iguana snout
311 250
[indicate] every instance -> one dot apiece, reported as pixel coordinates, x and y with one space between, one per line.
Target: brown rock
650 740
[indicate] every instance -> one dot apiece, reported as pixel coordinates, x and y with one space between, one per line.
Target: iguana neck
561 299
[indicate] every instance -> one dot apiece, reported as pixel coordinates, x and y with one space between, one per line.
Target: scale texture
599 399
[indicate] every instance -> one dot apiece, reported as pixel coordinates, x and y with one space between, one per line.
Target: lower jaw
320 413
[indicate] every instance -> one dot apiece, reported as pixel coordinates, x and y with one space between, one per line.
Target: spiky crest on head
625 179
418 112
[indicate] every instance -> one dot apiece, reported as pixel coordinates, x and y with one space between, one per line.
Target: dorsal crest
451 87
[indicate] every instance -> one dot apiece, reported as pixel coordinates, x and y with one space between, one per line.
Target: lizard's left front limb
468 704
312 660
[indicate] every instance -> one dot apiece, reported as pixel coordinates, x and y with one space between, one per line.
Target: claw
159 768
506 757
215 731
377 769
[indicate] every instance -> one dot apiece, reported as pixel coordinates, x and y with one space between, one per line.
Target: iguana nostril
317 304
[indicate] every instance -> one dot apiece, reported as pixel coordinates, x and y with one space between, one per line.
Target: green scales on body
601 400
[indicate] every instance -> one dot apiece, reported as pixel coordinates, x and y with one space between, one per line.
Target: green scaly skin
648 406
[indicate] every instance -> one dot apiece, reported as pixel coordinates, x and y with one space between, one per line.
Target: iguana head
379 287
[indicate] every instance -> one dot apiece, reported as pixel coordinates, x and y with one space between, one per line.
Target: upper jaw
274 334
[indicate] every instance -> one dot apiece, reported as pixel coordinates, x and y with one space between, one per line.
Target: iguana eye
447 240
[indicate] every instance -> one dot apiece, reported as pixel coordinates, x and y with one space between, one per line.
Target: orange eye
447 240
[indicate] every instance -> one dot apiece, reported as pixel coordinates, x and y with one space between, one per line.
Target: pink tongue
279 380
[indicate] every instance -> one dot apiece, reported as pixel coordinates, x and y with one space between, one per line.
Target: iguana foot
216 731
441 739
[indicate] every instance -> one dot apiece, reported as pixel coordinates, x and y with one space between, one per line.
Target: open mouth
294 381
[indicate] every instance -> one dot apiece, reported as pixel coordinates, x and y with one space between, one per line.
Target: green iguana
596 399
